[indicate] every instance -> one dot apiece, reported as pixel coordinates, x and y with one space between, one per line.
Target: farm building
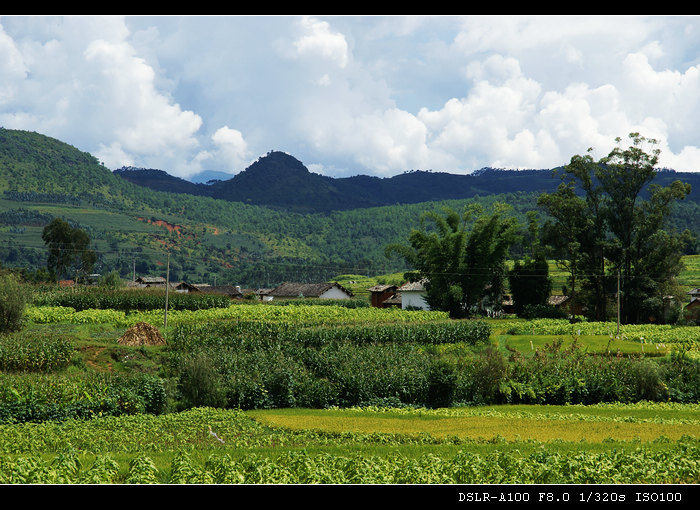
394 300
413 295
380 293
691 312
227 290
150 281
262 294
310 290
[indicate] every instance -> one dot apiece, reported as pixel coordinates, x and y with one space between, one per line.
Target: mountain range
281 181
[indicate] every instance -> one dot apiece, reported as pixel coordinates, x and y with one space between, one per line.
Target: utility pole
618 303
167 287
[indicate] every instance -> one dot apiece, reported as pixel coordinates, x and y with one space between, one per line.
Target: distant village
409 296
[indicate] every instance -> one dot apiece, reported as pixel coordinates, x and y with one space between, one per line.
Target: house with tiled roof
413 295
379 294
330 290
691 311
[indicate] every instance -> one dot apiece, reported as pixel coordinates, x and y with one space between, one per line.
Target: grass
594 344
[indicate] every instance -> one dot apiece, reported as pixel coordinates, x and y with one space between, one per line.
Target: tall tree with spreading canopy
69 249
461 258
610 220
530 284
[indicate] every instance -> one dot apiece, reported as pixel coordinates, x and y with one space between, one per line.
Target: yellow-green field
594 344
592 424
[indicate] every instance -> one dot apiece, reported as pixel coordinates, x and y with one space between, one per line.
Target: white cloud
113 156
232 150
319 41
12 66
144 121
356 94
80 81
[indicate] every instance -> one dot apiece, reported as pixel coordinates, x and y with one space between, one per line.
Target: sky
349 95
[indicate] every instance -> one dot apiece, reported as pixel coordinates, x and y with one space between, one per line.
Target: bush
682 376
543 312
111 281
13 300
151 390
200 385
442 384
481 378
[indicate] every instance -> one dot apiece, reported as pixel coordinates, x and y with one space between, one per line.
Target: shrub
481 378
13 300
151 390
200 385
682 376
441 384
111 281
543 312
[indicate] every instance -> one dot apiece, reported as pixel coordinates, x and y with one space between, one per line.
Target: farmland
261 393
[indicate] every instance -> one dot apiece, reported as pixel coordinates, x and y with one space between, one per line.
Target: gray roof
413 286
151 279
205 288
288 289
557 300
229 290
382 288
393 300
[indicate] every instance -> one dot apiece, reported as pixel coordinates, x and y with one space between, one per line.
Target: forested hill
281 181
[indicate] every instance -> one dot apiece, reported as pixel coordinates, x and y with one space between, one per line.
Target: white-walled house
310 290
413 295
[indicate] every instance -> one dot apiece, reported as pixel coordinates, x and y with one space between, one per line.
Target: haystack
140 334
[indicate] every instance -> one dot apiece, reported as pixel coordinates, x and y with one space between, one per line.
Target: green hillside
209 240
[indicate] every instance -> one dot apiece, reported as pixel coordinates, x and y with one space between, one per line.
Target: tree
461 259
530 284
575 233
609 220
68 249
111 280
529 281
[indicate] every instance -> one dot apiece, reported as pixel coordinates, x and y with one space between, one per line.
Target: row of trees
606 224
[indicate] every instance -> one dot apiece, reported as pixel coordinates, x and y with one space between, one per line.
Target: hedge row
38 398
126 300
252 334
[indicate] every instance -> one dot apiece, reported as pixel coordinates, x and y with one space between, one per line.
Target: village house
691 312
380 294
413 295
226 290
157 282
310 290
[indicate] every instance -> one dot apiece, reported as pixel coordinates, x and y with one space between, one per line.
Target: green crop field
252 393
